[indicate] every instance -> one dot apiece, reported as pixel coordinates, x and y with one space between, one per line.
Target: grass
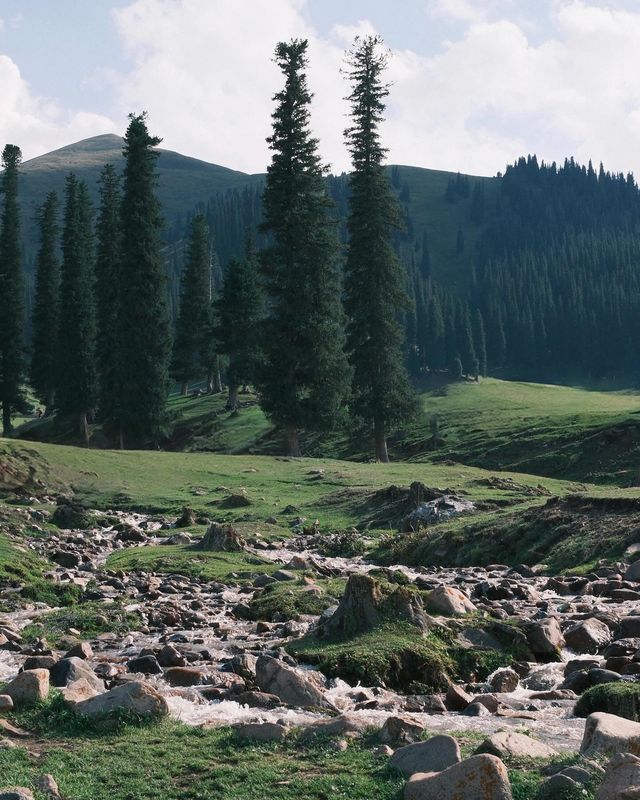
184 559
288 599
90 619
169 761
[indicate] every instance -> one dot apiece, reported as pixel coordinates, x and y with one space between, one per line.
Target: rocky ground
194 649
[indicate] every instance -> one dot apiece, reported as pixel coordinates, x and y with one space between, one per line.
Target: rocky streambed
196 653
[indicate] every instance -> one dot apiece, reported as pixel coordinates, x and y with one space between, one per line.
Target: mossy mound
621 698
287 600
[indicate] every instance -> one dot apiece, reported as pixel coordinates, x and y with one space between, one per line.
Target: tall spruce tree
145 335
193 324
239 311
374 283
77 382
108 280
12 313
304 377
46 310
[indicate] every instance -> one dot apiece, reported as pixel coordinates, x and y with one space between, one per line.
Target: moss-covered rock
621 698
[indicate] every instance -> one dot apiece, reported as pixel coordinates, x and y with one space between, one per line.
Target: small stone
6 703
434 755
262 731
29 687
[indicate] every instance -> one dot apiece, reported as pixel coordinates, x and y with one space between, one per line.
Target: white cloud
458 10
37 124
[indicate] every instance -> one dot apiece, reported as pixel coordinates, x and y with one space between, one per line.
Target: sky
475 83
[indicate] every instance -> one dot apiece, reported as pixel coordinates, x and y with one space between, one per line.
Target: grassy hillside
558 431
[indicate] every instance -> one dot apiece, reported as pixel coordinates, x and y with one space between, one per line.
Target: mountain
183 182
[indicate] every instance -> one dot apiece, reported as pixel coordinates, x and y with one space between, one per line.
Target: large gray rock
504 680
587 636
608 734
545 637
450 601
402 729
291 687
482 777
434 755
29 687
262 731
622 778
509 744
69 670
633 572
135 696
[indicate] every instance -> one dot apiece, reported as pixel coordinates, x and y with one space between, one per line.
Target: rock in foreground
136 697
482 777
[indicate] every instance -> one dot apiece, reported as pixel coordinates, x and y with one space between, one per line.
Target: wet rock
476 709
450 601
184 676
588 636
170 656
148 665
72 517
606 734
577 682
509 744
274 677
481 777
621 647
244 664
401 730
66 558
348 725
599 676
262 731
545 638
622 778
29 687
629 628
258 700
223 538
504 680
425 704
434 755
633 572
134 696
456 698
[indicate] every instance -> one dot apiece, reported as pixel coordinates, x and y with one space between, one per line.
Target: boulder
6 703
504 680
450 601
169 656
81 650
622 778
629 628
16 793
257 700
274 677
545 637
135 696
456 698
509 744
587 636
633 572
481 777
147 665
29 687
184 676
607 734
401 730
223 538
434 755
262 731
69 670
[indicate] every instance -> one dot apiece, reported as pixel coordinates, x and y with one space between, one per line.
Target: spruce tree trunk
7 427
84 427
217 379
380 442
184 388
293 442
232 402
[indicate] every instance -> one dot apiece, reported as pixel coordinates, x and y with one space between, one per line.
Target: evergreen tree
374 282
46 312
193 320
239 310
480 343
303 380
108 280
76 390
12 313
145 335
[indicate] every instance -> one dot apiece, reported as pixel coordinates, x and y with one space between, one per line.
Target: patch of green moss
289 600
91 619
621 698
